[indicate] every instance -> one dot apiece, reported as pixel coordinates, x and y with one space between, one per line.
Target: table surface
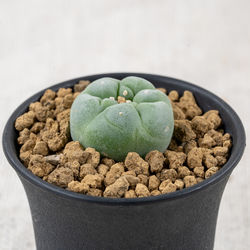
204 42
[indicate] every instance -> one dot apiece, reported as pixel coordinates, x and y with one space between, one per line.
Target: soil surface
199 148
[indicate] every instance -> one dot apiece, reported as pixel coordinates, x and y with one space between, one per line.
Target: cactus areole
141 123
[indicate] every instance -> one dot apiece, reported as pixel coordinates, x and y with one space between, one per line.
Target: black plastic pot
182 220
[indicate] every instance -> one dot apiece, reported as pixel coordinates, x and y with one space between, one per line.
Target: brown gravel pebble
220 151
37 127
25 158
130 194
199 172
200 126
194 158
198 149
78 187
170 174
134 162
188 105
155 160
114 173
41 148
102 169
61 177
24 136
206 142
211 171
153 183
41 112
79 87
93 157
75 167
209 161
86 169
38 166
173 95
117 189
179 184
108 162
93 180
130 172
188 146
95 192
50 134
227 144
74 151
63 92
63 119
212 116
48 95
133 181
189 181
221 160
175 159
141 190
167 187
217 136
25 120
183 131
28 145
143 179
178 113
155 193
183 171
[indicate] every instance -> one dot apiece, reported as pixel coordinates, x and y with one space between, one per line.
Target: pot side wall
182 224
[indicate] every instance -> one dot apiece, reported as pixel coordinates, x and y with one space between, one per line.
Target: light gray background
205 42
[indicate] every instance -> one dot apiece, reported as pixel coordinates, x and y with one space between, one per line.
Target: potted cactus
117 114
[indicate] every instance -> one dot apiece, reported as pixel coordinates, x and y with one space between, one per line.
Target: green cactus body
144 123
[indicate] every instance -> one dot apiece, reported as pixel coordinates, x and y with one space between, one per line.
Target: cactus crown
120 116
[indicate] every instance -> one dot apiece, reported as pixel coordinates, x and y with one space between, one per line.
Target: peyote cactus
141 123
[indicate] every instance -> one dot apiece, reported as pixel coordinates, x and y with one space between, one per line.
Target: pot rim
9 146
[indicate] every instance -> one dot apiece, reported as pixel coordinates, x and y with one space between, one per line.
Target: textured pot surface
184 219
